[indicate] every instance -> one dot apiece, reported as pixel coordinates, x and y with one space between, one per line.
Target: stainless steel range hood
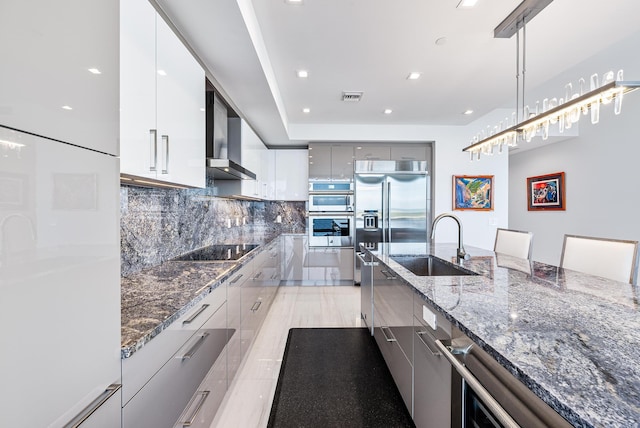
223 144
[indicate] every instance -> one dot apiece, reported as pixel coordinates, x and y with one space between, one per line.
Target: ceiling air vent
351 96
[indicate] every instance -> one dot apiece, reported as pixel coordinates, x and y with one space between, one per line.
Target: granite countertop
155 297
572 338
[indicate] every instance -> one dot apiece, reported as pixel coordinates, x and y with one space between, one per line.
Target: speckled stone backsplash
159 224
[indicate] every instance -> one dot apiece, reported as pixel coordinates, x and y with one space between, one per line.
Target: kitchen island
571 338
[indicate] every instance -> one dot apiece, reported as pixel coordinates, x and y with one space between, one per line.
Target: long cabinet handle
192 418
236 279
153 149
93 406
495 407
386 336
258 275
387 275
165 141
426 333
194 316
192 351
256 306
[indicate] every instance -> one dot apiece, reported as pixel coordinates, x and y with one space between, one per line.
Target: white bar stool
614 259
514 243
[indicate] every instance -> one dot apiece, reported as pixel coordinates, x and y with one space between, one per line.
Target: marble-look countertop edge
128 350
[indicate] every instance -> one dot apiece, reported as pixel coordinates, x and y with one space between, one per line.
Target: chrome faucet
461 253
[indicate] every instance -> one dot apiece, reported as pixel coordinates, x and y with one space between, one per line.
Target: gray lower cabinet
393 328
204 403
407 343
432 379
163 398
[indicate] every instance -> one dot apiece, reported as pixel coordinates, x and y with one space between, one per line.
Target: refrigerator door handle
389 210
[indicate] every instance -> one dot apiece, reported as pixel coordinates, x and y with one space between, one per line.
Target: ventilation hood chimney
223 143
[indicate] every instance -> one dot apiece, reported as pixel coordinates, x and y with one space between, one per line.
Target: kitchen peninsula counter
572 338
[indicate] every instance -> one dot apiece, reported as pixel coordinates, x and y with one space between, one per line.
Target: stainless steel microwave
330 196
331 230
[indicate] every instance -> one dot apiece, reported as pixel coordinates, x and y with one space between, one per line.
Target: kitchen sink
430 266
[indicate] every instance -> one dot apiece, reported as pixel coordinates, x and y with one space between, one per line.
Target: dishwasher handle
505 419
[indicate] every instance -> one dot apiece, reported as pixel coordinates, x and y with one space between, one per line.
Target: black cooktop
217 252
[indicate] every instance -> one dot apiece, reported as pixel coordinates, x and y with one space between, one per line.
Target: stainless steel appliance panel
390 206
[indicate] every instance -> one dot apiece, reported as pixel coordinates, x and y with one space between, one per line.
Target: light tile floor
248 400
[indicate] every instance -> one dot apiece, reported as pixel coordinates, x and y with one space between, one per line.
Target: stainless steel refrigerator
392 203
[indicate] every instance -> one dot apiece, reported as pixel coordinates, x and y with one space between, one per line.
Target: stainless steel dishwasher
491 396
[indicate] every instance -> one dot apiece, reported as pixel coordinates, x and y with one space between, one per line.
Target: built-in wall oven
330 219
330 229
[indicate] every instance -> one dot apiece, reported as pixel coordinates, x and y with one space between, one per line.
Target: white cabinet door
162 98
47 49
269 175
292 168
60 282
180 107
138 133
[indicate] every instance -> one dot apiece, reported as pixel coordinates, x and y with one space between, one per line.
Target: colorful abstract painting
546 192
473 192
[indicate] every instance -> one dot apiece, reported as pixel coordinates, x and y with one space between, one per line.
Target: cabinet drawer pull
389 276
426 333
192 418
93 406
194 316
236 279
364 262
165 141
388 337
192 351
256 306
258 275
153 143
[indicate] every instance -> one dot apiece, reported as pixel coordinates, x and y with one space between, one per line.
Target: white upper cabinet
46 86
162 100
292 170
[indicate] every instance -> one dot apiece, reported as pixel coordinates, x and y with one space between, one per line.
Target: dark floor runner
335 377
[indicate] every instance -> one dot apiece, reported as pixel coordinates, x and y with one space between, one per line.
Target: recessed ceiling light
467 112
94 71
414 75
293 1
303 74
306 110
162 72
467 3
388 111
67 108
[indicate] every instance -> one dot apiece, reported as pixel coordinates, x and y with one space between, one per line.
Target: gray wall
159 224
601 167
